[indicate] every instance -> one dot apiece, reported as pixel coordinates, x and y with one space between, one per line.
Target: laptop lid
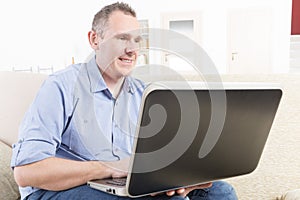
192 133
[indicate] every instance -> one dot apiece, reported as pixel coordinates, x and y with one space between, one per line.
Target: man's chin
126 71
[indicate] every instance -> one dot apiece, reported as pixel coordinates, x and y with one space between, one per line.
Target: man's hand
185 191
118 168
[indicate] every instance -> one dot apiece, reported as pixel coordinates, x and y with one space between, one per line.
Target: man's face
117 53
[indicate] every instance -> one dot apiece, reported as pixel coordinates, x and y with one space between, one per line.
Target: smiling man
116 44
80 126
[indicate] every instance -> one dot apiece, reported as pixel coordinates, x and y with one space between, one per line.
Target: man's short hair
101 18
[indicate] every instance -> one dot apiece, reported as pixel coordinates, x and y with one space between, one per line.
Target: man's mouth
126 60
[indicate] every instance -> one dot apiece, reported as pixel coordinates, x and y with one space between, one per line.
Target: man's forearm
60 174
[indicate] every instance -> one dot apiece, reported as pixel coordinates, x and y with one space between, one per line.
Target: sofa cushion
8 187
291 195
17 93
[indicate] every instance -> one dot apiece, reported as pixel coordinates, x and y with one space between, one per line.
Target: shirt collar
128 85
97 82
96 79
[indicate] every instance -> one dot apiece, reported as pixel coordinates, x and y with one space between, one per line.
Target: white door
187 24
249 40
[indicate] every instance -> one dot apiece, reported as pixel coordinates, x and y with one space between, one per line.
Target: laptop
190 133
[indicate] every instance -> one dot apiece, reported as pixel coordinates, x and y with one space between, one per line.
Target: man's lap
219 190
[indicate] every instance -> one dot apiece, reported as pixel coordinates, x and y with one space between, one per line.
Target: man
80 124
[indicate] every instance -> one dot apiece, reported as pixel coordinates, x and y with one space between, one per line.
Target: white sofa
278 170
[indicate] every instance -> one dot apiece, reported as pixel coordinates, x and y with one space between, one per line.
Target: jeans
220 190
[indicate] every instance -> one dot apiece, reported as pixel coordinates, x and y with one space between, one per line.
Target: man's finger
180 191
170 193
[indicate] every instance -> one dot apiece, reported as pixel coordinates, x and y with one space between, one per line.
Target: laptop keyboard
117 181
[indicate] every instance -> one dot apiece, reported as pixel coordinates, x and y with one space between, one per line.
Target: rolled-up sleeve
41 129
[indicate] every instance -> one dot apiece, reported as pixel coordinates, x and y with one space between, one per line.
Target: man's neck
117 89
114 84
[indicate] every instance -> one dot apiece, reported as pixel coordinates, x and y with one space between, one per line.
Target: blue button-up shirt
75 116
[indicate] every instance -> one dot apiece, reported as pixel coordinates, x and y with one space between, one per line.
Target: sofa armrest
8 186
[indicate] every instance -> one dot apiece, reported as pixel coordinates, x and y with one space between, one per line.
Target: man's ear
93 39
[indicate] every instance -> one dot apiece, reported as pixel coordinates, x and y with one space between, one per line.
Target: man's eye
137 40
123 37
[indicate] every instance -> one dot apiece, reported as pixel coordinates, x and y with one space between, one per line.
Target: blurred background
240 36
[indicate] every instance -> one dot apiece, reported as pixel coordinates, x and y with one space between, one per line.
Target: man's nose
131 47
